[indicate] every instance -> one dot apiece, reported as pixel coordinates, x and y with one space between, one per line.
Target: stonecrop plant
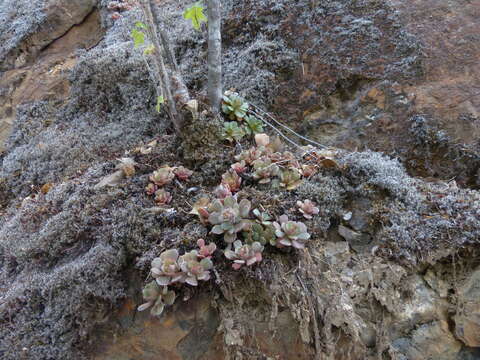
229 217
171 268
291 233
241 122
234 106
245 233
162 177
244 254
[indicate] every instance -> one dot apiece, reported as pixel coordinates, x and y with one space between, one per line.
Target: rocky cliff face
393 269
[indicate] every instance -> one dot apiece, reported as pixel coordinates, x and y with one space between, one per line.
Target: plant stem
160 65
214 54
167 45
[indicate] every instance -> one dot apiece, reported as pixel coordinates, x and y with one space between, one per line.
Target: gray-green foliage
157 298
232 131
291 233
244 254
253 125
170 268
234 106
229 218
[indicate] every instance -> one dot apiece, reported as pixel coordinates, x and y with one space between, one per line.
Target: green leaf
196 15
231 131
226 109
239 113
255 125
138 37
160 101
149 50
140 25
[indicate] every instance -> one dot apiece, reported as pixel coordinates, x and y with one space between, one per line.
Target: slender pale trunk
167 46
214 54
173 87
160 64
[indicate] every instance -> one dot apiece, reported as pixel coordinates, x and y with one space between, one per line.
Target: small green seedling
196 15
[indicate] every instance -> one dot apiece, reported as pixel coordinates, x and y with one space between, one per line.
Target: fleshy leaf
144 307
217 229
157 309
169 298
191 281
163 280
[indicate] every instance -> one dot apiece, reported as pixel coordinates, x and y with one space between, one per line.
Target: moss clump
202 139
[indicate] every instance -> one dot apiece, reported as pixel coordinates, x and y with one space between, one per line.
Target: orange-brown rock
45 79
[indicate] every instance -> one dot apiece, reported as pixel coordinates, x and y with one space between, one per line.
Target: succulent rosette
244 254
162 176
157 298
307 208
194 270
229 217
291 233
205 251
165 268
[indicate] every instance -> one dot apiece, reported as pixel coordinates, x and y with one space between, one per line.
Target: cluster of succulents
162 177
244 231
264 170
242 123
171 268
266 162
232 219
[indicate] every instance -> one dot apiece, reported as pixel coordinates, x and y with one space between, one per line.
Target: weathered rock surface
27 27
390 76
46 78
397 278
467 318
